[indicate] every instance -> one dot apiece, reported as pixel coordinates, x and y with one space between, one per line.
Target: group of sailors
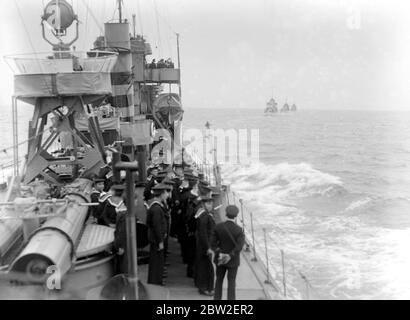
180 205
161 64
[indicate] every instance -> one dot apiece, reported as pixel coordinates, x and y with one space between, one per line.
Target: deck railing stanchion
283 271
253 240
307 285
267 281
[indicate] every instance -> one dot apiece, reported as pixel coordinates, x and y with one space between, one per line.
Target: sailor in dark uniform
102 200
183 193
151 182
96 193
227 242
120 240
204 270
176 203
168 205
157 232
113 203
179 170
106 174
193 203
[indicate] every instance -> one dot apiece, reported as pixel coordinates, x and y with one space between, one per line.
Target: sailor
193 202
151 182
106 174
153 64
227 242
157 232
204 270
113 204
183 192
178 170
161 64
96 193
120 236
204 188
102 200
120 240
168 205
176 202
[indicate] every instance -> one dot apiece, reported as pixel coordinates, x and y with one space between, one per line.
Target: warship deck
249 281
248 286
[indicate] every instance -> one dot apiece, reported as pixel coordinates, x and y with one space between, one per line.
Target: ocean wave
382 212
283 180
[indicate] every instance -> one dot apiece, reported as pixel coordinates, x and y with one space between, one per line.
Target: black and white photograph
208 155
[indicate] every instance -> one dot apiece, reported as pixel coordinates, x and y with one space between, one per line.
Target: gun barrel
54 243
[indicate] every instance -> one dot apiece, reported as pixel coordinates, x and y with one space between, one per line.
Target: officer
227 242
157 232
193 204
204 270
120 236
168 206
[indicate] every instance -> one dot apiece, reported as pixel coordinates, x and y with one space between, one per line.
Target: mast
120 10
134 23
179 67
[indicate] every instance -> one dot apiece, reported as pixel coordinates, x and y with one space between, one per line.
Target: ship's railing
279 269
204 166
62 62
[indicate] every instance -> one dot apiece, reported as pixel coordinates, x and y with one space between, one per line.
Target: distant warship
271 106
285 108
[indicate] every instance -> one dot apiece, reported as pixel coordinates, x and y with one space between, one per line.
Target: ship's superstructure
271 106
103 108
84 103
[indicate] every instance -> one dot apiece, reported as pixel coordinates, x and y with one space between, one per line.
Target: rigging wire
158 28
86 22
139 17
31 44
97 23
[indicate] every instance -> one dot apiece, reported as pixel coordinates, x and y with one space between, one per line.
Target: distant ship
285 108
271 106
293 108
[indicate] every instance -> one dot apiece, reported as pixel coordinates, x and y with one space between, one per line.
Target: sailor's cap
118 187
205 188
190 176
205 198
168 181
98 180
161 186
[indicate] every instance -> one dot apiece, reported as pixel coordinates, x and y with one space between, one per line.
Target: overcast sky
333 54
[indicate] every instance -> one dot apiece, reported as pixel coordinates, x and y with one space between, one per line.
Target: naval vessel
104 107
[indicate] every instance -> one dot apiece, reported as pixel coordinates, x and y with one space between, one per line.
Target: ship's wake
349 245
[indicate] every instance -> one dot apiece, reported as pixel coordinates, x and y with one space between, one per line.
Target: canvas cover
67 84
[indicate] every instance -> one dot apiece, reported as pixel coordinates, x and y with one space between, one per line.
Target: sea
329 190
